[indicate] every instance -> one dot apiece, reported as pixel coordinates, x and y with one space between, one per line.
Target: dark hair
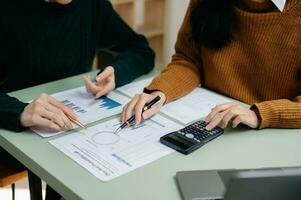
211 22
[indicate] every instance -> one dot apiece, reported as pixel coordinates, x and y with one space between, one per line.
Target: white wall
174 14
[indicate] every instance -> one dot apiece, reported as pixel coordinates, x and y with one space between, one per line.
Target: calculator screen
182 143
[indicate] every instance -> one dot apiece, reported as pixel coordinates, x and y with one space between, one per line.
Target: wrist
255 110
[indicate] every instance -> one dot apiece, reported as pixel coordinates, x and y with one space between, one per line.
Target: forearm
10 111
182 75
177 80
135 59
281 113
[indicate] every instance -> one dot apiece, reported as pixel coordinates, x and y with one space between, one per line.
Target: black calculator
191 137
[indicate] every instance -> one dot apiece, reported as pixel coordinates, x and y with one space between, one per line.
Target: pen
77 122
131 119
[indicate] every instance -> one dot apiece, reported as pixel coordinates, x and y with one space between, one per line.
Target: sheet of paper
107 155
195 105
187 109
135 88
87 107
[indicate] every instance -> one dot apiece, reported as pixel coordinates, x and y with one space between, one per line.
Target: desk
239 148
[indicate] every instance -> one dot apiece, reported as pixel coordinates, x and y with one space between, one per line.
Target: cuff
12 121
264 113
163 86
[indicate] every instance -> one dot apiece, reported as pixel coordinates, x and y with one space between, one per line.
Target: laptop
255 184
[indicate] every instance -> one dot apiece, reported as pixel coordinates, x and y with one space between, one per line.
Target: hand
235 114
136 105
105 83
47 112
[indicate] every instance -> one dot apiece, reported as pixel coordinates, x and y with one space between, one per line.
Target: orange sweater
262 66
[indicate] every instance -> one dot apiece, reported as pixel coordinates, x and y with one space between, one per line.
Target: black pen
132 119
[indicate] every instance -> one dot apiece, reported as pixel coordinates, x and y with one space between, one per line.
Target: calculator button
181 133
197 140
189 135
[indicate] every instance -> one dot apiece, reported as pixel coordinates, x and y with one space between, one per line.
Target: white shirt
279 4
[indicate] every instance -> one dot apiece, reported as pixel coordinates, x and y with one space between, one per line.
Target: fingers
143 99
90 86
41 122
109 71
129 109
249 118
57 113
237 120
218 109
47 112
105 83
52 117
105 90
62 107
227 113
137 104
226 119
215 121
152 111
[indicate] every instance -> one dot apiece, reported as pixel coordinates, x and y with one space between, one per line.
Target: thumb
105 74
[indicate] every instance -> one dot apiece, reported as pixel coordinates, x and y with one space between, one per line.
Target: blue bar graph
108 103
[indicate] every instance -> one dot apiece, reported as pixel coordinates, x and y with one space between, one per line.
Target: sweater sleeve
182 75
10 108
282 113
10 111
135 57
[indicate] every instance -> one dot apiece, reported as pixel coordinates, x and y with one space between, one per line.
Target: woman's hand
136 105
47 112
105 83
231 113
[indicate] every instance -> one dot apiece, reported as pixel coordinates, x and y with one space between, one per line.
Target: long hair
212 22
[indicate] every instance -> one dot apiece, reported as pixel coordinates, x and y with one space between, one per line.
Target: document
194 106
187 109
87 107
135 88
107 155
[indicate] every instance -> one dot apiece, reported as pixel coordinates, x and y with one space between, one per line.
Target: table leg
35 186
51 194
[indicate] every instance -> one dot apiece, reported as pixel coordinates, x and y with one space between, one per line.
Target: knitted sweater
42 42
261 66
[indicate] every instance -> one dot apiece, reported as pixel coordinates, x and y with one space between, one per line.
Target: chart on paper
108 155
195 105
87 108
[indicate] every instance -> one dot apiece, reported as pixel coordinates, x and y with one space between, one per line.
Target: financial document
87 107
197 104
108 155
187 109
135 88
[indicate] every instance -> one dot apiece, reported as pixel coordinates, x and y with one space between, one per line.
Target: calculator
191 137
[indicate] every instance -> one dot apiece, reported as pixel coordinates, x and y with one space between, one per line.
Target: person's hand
231 113
105 83
47 112
136 105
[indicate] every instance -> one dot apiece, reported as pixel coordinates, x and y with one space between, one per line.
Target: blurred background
158 20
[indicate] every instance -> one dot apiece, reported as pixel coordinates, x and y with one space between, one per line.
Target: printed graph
108 103
74 107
